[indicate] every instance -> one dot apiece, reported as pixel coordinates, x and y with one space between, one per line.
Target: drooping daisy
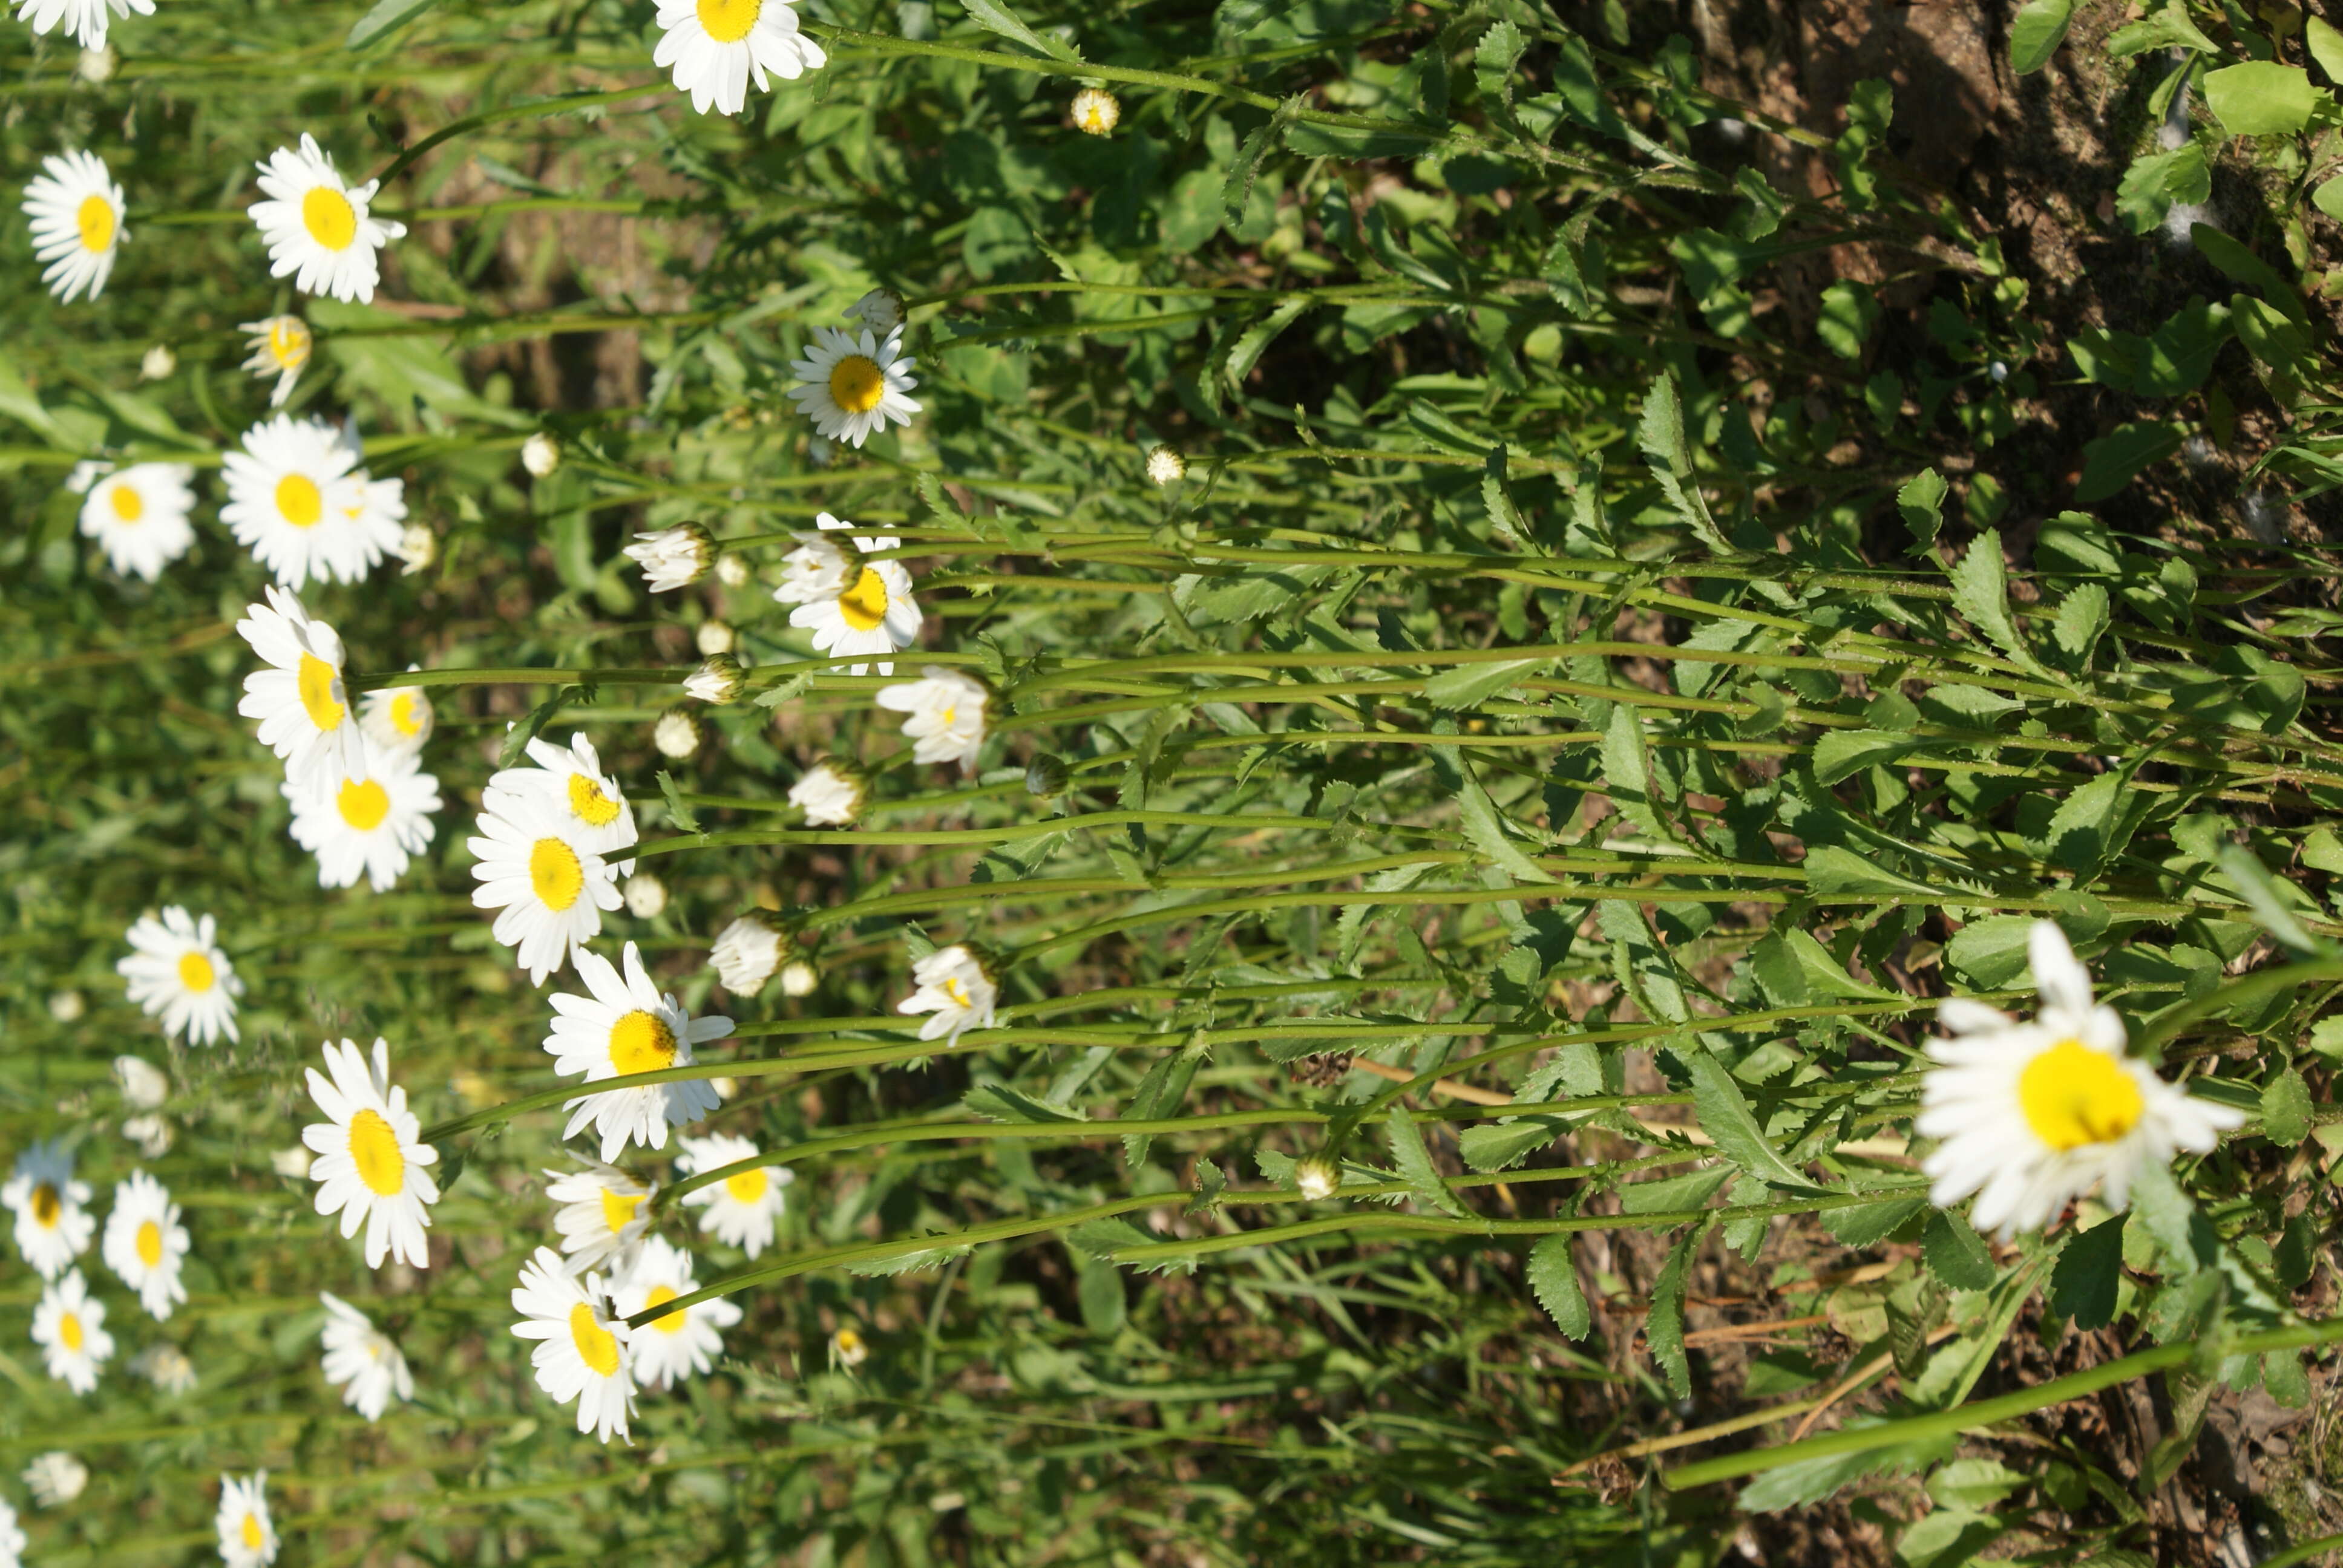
367 827
582 1351
139 515
747 952
849 605
830 794
370 1157
718 679
882 310
602 1219
55 1478
53 1225
146 1244
717 45
281 346
246 1538
303 708
670 1349
177 968
572 786
69 1325
2034 1115
953 985
316 227
548 887
850 388
627 1026
362 1360
743 1208
944 714
73 205
672 557
145 1086
298 500
397 718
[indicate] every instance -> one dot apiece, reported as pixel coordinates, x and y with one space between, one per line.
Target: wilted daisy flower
303 711
316 227
73 205
139 515
582 1351
397 718
882 310
601 1218
146 1244
2034 1115
144 1085
830 794
645 896
717 45
370 1156
670 1349
540 455
537 869
149 1133
743 1208
848 1348
571 785
944 714
716 680
367 827
166 1366
361 1361
851 388
1165 465
849 605
953 985
1096 112
246 1538
672 557
281 346
677 734
53 1226
747 952
177 968
298 500
55 1478
69 1325
1317 1178
627 1026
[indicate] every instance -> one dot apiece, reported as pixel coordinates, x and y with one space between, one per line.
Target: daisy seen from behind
601 1218
298 500
830 794
944 714
716 46
668 1349
850 387
246 1538
571 782
852 606
2033 1115
582 1351
397 718
361 1361
744 1207
69 1325
303 708
625 1025
144 1244
55 1478
546 885
281 346
53 1224
673 559
74 209
317 226
138 516
954 985
370 1159
747 952
177 970
367 827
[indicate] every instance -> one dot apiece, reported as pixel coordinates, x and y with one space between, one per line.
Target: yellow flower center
659 1295
364 803
597 1346
728 21
948 714
46 1206
128 504
864 605
299 501
618 1209
747 1187
150 1243
406 713
196 972
856 383
956 991
641 1042
555 875
95 220
289 342
254 1538
2073 1095
329 218
590 805
374 1149
69 1332
316 680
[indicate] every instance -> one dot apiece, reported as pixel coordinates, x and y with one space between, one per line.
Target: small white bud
418 547
1166 467
150 1132
96 66
747 952
540 455
645 896
718 679
677 734
290 1163
882 310
144 1086
159 364
732 569
714 637
1999 370
66 1006
1096 111
672 557
799 978
1317 1178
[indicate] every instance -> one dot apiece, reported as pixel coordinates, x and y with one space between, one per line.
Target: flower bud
732 569
540 455
1317 1178
848 1348
882 310
96 66
713 637
1096 111
718 679
418 547
144 1086
677 734
831 794
159 364
645 896
1046 774
1165 465
66 1006
150 1132
748 951
292 1163
799 978
673 558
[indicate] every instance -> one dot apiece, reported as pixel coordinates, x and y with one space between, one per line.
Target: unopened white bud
96 66
1096 111
540 455
150 1132
714 637
291 1164
677 734
882 310
1166 467
718 679
645 896
1317 1178
144 1086
418 547
732 569
66 1006
672 557
159 363
799 978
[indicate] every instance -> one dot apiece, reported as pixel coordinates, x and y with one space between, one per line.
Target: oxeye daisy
582 1351
303 708
166 1367
281 346
246 1538
830 794
670 1349
75 207
849 605
673 558
361 1361
298 501
537 871
145 1086
850 387
747 952
572 786
367 827
53 1225
717 45
316 227
177 968
377 512
138 516
944 714
627 1026
88 21
370 1161
955 986
882 310
743 1208
397 718
2034 1115
601 1218
55 1478
69 1325
144 1244
12 1538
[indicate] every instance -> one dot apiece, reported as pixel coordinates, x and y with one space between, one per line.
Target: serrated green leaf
2286 1109
1468 685
1981 595
1843 753
1160 1095
1553 1280
677 812
1415 1167
998 1102
2166 29
1921 504
1834 872
1664 1327
1955 1254
995 17
1486 828
1724 1115
1660 431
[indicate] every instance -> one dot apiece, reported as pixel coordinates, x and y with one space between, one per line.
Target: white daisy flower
830 794
149 1133
2034 1115
540 455
945 714
55 1478
1096 112
743 1208
138 516
177 968
747 952
69 1325
953 985
1165 465
316 227
670 1349
166 1366
12 1538
86 21
549 886
361 1361
572 786
397 718
582 1351
850 606
281 346
53 1223
677 734
370 1161
882 310
627 1026
378 516
303 708
299 502
601 1218
850 387
717 45
645 896
144 1085
75 206
367 827
672 557
716 680
246 1538
146 1244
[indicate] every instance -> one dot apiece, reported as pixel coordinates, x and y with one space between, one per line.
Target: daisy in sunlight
75 207
627 1025
716 46
177 968
317 228
370 1157
851 386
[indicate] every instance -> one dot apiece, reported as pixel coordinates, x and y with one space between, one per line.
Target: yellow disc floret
597 1346
95 221
864 605
363 803
329 218
316 680
728 21
641 1042
589 802
2074 1096
555 874
196 972
856 383
374 1149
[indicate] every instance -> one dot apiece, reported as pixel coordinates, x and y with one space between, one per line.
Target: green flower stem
2305 1552
973 837
539 108
2243 991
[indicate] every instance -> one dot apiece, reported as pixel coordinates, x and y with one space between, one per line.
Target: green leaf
1468 685
1848 311
2087 828
1843 753
2081 620
2155 181
18 402
1098 1291
677 812
995 17
1795 970
1834 872
1981 595
1725 1116
786 692
2269 907
2325 47
2328 197
2035 32
2286 1109
1627 773
2110 462
1660 432
2180 355
2166 29
1415 1166
1237 190
2242 266
1160 1095
1992 951
384 18
2267 333
1955 1254
2085 1281
1485 827
998 1102
1554 1280
1664 1327
2262 98
1500 50
1254 340
1921 502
